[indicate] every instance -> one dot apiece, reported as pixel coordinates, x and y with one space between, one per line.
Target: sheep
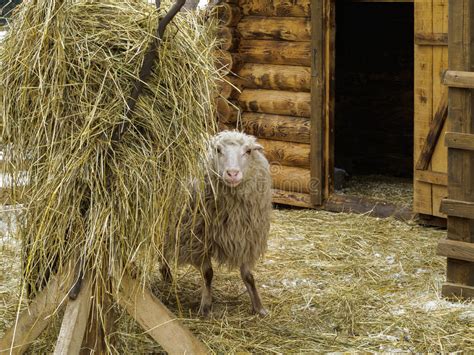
233 225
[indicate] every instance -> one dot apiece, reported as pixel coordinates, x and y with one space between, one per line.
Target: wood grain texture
293 8
226 111
228 14
457 208
275 52
276 127
286 153
275 77
289 178
459 79
432 177
291 198
296 29
276 102
456 249
431 39
228 38
464 141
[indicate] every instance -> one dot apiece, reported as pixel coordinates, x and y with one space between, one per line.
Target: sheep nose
232 173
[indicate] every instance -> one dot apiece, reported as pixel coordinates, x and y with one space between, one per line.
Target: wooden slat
459 79
457 290
464 141
275 52
276 102
74 322
456 249
275 28
286 153
291 198
457 208
157 320
432 177
434 132
431 39
293 8
277 127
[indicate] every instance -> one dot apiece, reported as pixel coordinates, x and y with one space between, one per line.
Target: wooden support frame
460 205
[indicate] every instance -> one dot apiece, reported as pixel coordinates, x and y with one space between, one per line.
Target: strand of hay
68 68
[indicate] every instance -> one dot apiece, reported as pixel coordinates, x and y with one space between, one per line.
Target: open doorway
374 100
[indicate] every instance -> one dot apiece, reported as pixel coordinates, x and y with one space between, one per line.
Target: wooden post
460 273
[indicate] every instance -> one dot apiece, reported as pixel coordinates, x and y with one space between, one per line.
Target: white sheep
234 222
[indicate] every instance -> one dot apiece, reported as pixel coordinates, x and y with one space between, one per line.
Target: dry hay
379 187
332 282
68 68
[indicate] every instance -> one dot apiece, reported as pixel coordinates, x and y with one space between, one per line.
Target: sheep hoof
262 312
205 310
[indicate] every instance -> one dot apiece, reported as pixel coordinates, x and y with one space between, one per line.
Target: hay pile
332 282
67 70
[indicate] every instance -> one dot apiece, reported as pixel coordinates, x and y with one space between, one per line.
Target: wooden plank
291 198
464 141
457 290
318 80
275 52
277 127
460 173
439 158
459 79
293 8
156 319
74 322
434 132
457 208
33 320
286 153
275 77
276 102
290 178
456 249
423 105
296 29
364 205
431 39
432 177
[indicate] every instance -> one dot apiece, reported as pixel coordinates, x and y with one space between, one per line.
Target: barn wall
269 42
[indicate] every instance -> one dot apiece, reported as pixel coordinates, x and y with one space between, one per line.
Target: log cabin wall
269 43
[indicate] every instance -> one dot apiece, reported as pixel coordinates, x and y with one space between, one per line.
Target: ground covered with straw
332 282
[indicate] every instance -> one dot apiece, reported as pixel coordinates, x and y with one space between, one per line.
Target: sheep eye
248 151
219 150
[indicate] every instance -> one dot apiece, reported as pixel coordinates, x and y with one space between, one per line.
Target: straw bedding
332 282
67 70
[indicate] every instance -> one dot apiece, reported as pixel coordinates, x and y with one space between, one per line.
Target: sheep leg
206 293
249 282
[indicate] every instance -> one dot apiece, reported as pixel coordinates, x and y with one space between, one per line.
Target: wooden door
431 60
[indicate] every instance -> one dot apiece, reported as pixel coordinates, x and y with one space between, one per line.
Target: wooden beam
432 177
276 102
296 199
459 79
456 249
286 153
296 29
436 126
290 8
457 290
33 320
365 205
74 322
290 178
464 141
457 208
156 319
431 39
275 52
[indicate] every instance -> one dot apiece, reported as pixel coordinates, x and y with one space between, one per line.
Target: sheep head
232 154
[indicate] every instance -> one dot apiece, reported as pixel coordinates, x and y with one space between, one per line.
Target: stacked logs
268 42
